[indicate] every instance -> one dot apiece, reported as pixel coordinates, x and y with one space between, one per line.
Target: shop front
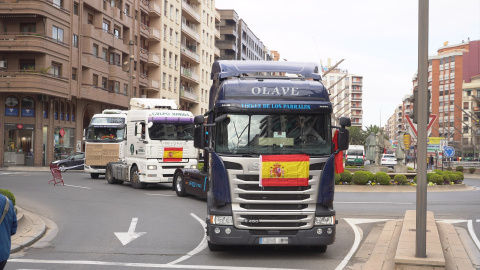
18 142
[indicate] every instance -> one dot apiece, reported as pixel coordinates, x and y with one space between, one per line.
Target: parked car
388 160
76 161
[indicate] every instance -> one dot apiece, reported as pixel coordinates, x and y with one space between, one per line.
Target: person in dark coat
8 227
430 162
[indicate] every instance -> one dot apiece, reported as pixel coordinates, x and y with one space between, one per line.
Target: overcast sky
377 38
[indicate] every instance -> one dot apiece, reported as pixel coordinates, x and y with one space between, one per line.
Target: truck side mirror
198 120
345 122
342 139
199 137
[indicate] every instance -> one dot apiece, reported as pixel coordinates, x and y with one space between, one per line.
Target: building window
27 64
75 8
104 54
56 69
104 83
95 80
165 32
117 87
175 85
165 7
11 106
176 61
125 89
165 57
95 50
465 105
57 33
164 81
74 74
106 26
170 59
28 28
127 10
58 3
116 32
176 15
171 36
75 41
90 19
28 107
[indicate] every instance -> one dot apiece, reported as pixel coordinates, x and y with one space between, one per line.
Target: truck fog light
319 231
324 220
193 166
151 167
329 230
217 230
228 231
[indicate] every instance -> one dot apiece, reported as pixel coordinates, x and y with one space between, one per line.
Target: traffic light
414 99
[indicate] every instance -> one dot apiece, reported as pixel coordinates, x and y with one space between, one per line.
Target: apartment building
237 40
63 61
346 95
395 123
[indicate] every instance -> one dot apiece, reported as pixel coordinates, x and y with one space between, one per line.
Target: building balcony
97 33
189 75
154 9
217 16
153 60
226 45
144 30
143 80
33 42
228 30
217 33
191 11
154 34
217 51
190 54
190 32
153 85
34 81
39 8
92 92
143 55
188 94
91 61
144 6
116 70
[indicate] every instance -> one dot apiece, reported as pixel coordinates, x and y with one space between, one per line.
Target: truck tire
109 176
213 247
320 249
179 184
135 179
94 175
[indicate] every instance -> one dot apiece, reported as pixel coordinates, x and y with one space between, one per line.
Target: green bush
370 176
438 171
459 169
471 170
436 179
400 179
429 175
360 178
346 176
338 178
8 194
461 175
382 178
449 168
415 179
410 168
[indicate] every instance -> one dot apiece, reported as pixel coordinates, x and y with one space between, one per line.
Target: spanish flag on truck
284 170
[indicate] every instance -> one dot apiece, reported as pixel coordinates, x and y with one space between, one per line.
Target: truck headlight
193 166
151 167
324 221
221 220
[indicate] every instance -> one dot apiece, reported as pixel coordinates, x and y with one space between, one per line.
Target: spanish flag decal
284 170
172 154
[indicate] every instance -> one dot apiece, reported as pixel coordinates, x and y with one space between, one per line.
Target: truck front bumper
317 236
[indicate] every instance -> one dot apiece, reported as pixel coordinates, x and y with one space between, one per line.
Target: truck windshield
274 134
164 131
105 134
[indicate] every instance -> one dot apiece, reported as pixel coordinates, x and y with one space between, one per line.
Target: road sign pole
423 103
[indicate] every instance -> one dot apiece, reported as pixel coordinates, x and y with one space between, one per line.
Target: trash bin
28 161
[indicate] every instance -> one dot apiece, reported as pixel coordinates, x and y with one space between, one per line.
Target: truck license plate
169 179
273 240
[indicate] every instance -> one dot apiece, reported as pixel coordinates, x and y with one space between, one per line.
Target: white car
389 160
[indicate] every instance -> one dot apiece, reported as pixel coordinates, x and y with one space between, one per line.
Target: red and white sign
413 126
19 126
62 132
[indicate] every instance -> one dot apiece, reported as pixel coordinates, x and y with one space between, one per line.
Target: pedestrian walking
8 227
430 162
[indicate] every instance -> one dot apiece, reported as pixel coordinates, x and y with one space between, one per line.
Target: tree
357 135
375 129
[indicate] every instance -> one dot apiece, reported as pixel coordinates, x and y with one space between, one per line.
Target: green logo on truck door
132 149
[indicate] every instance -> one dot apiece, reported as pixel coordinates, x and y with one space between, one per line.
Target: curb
30 229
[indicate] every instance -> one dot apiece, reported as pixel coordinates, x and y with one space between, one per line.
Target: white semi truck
159 140
104 141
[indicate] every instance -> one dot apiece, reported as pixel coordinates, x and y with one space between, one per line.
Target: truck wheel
135 179
94 175
178 182
320 249
109 176
213 247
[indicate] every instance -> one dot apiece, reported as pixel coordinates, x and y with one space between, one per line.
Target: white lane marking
77 186
156 194
131 235
451 221
358 237
371 203
478 220
472 233
200 247
146 265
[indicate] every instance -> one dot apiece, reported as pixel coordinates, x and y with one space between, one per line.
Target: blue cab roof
231 68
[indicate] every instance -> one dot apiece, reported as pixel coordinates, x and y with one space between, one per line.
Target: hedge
346 176
382 178
360 178
400 179
8 194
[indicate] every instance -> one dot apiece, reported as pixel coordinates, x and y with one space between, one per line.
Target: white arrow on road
131 235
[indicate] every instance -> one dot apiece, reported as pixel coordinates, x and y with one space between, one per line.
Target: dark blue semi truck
269 159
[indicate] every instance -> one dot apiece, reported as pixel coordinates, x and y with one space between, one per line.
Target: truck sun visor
170 119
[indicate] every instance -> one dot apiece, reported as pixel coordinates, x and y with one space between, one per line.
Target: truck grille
282 209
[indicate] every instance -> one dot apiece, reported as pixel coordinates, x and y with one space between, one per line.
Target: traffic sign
449 151
413 126
406 141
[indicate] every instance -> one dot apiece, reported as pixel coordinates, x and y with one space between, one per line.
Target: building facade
63 61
